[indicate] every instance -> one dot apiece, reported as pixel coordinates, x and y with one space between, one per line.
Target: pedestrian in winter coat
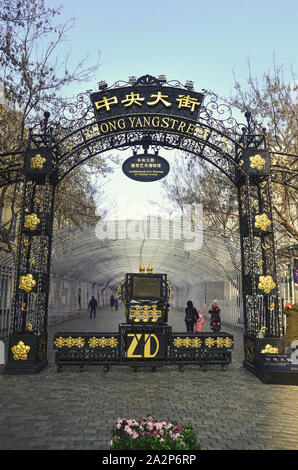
215 320
112 301
93 306
190 317
199 322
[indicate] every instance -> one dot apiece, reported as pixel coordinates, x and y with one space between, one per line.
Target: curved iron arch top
215 134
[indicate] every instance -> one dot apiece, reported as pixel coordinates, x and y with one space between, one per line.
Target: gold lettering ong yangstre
155 121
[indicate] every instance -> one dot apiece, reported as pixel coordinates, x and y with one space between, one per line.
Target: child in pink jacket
199 322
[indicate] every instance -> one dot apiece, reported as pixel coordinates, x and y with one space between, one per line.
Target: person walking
199 325
190 317
116 303
93 306
112 302
215 320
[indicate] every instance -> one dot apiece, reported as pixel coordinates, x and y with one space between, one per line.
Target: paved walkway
229 409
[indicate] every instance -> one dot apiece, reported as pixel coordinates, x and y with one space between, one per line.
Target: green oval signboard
146 167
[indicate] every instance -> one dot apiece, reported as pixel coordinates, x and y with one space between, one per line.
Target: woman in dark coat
190 317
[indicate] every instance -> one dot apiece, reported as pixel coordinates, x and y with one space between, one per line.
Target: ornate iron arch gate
143 113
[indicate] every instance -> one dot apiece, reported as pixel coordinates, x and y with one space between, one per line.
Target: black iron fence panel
141 345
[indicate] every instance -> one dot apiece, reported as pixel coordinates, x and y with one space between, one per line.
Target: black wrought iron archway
56 149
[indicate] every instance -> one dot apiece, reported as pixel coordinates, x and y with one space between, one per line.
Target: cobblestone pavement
229 409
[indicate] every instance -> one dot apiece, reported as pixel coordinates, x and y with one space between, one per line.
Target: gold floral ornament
103 342
69 342
20 351
262 221
31 221
27 282
257 162
177 342
187 342
224 342
209 342
266 283
37 162
269 350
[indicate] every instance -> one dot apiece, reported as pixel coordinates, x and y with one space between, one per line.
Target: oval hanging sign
146 167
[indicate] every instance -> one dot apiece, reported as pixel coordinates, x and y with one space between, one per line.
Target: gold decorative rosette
31 221
37 162
145 313
262 221
197 342
103 342
27 282
20 351
69 342
257 162
266 283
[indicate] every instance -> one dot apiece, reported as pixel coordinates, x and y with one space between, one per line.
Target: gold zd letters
147 345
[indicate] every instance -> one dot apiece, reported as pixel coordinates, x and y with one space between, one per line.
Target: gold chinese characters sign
138 99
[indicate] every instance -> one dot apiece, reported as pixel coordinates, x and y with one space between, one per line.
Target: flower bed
148 434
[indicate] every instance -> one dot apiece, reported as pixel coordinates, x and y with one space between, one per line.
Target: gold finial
142 268
150 269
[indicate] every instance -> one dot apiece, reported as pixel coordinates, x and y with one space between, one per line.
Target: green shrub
148 434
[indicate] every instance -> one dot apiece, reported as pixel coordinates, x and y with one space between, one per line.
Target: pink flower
135 435
128 429
155 432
